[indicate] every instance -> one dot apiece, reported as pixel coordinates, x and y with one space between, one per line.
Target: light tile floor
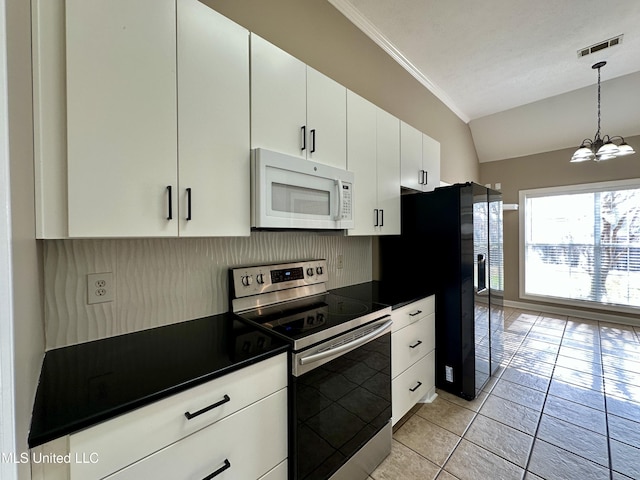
565 405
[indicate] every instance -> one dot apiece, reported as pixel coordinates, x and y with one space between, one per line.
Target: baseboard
571 312
430 396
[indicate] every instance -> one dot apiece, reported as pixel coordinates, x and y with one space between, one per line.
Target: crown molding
360 21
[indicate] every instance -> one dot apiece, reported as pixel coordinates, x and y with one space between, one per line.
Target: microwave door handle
338 183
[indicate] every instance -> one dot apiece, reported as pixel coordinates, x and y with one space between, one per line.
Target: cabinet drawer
248 443
413 312
278 473
403 388
125 439
411 343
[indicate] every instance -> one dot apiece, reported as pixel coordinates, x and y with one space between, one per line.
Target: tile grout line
606 413
535 435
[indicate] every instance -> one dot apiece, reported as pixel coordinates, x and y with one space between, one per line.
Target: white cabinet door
213 123
431 162
411 157
278 99
326 120
361 160
121 117
388 166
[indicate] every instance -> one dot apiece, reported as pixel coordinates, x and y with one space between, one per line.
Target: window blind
584 245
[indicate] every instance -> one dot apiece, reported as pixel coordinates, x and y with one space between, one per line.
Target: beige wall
546 170
27 290
319 35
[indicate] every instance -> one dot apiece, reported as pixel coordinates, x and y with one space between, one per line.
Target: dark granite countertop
84 384
394 294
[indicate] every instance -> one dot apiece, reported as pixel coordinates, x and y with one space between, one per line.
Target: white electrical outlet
340 263
100 288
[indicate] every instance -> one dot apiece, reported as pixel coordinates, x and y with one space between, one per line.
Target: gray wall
549 169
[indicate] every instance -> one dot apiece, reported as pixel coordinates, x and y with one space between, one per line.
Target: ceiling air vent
583 52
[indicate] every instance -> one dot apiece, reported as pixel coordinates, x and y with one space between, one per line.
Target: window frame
564 190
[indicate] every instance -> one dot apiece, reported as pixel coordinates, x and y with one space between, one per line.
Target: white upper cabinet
326 120
135 102
420 159
121 117
411 157
431 162
373 155
213 123
278 99
295 109
388 168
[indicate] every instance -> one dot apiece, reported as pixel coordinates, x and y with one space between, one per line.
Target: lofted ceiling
510 68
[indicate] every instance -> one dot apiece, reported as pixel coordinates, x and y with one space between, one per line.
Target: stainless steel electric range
340 378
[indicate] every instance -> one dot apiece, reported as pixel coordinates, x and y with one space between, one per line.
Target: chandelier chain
598 132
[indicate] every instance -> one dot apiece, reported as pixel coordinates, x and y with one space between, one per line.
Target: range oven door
341 399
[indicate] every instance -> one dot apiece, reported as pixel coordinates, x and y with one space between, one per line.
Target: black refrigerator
451 245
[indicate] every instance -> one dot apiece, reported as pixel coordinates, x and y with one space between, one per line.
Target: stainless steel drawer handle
190 415
415 313
419 342
224 467
416 387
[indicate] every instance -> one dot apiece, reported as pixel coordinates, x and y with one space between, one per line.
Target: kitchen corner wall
164 281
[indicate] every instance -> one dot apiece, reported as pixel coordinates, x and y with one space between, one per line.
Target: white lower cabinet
246 444
415 384
277 473
412 356
239 418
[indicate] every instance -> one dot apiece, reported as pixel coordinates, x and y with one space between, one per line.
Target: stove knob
260 278
319 270
247 280
310 272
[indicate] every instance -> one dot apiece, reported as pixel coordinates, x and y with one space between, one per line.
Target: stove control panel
255 280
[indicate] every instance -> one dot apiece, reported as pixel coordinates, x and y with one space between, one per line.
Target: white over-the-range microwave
294 193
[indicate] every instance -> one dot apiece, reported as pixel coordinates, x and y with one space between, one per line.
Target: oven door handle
331 351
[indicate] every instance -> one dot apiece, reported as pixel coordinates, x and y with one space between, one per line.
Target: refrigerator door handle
482 273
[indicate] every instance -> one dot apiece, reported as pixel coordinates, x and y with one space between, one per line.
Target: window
581 244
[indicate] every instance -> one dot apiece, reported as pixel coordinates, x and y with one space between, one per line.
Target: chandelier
604 148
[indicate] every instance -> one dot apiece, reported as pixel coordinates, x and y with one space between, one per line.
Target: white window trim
566 189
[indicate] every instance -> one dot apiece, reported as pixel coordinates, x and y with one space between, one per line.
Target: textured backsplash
163 281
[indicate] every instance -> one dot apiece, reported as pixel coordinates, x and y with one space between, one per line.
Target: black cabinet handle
375 211
312 132
417 312
206 409
426 177
382 217
189 203
421 177
170 199
226 466
419 342
304 137
416 387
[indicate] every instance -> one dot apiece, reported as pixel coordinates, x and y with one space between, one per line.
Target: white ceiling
510 67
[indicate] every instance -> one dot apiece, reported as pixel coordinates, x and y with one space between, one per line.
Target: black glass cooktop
308 321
